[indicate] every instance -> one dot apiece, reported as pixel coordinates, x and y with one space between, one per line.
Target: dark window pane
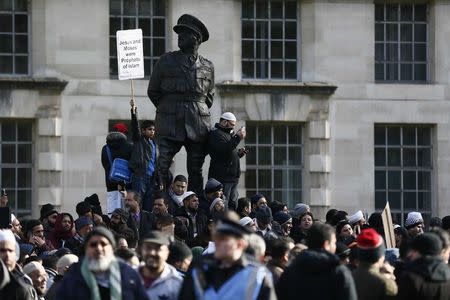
5 43
290 69
393 135
145 25
251 135
159 27
406 12
424 200
248 69
147 47
420 13
280 178
247 50
114 7
424 157
295 156
6 64
262 30
264 156
394 180
406 32
423 136
290 50
159 47
409 200
280 134
379 12
24 154
6 22
380 180
264 179
420 52
261 69
290 10
379 51
380 200
114 25
379 32
391 72
129 7
392 32
409 135
21 65
276 69
24 200
8 131
276 51
262 10
248 29
8 178
251 156
159 8
406 72
276 29
24 178
145 7
248 9
392 52
250 179
380 157
276 9
290 30
264 135
394 157
394 199
21 23
112 47
21 43
420 72
295 179
113 66
409 180
147 65
280 156
295 135
420 32
380 135
392 12
8 154
24 131
379 71
129 23
406 52
20 5
424 180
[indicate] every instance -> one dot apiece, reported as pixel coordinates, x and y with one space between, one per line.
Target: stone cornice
277 87
30 83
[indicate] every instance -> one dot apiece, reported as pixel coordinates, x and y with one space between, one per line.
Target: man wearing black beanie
427 276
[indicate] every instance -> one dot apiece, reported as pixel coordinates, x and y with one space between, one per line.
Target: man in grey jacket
161 280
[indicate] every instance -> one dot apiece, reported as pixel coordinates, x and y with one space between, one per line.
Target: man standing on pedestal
182 89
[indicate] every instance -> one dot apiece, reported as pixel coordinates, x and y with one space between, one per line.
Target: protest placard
388 226
130 54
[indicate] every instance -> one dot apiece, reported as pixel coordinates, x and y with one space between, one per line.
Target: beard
101 264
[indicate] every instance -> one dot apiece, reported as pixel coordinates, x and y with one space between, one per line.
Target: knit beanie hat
178 251
356 217
102 231
212 186
435 222
83 208
197 251
370 246
120 127
255 198
47 210
122 213
299 209
217 200
427 244
282 217
245 221
264 215
82 221
413 219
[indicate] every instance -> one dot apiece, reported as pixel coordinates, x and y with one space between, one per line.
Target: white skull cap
228 116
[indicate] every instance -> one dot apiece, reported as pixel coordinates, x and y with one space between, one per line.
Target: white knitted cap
245 221
413 219
356 217
33 266
7 235
228 116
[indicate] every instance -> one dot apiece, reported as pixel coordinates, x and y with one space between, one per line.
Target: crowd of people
158 239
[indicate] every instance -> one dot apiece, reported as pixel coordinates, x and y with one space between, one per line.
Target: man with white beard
99 275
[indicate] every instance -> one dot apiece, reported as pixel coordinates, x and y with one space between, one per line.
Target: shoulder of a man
206 62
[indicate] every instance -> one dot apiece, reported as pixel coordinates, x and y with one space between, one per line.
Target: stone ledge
30 83
311 88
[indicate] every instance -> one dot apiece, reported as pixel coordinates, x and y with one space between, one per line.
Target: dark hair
50 261
330 215
318 234
165 219
276 206
125 254
147 123
306 213
30 225
242 204
338 216
180 178
280 247
83 208
136 196
443 236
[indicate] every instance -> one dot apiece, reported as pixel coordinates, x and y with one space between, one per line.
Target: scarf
177 199
115 287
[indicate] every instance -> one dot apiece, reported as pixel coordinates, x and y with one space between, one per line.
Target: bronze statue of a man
182 89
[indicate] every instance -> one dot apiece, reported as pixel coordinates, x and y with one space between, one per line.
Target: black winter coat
224 165
316 274
146 223
426 278
12 288
120 148
201 221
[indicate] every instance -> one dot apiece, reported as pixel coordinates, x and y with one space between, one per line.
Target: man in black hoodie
316 272
427 276
119 147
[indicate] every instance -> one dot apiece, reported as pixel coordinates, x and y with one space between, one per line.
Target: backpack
119 171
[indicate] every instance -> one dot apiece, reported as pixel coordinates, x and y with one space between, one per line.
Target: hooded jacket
425 278
167 286
316 274
120 148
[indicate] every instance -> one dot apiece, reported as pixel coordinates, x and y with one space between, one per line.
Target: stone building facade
346 102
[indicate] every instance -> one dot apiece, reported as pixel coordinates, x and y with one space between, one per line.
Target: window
401 42
14 39
16 165
275 161
403 169
148 15
269 39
